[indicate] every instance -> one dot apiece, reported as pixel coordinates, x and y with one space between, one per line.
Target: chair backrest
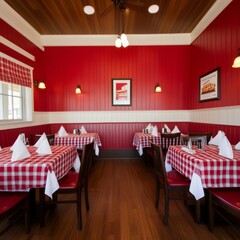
208 135
158 162
198 141
86 162
50 137
168 139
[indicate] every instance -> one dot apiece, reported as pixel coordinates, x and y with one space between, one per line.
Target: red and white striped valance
12 72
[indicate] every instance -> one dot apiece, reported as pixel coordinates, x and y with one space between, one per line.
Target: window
15 90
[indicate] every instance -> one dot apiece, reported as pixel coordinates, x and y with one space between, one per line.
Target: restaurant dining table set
78 138
40 166
150 134
217 165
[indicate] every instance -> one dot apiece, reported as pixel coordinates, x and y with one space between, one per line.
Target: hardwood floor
121 196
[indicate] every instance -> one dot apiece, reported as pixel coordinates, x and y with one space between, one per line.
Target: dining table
204 167
79 140
143 140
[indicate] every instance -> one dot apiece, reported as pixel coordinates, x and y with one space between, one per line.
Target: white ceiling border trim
214 11
18 23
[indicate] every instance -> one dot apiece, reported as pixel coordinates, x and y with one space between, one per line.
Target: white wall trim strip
223 115
16 48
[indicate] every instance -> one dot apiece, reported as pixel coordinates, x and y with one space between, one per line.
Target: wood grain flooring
121 196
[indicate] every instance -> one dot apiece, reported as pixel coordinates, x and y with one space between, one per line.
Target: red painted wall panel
216 47
63 68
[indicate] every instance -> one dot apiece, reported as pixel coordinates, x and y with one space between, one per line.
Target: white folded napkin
167 128
155 131
175 130
44 148
20 137
83 130
217 139
20 151
190 151
225 148
40 140
149 128
237 146
62 132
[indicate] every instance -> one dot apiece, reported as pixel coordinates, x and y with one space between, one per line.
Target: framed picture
121 92
209 86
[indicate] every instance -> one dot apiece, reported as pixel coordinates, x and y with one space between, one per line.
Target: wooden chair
208 135
74 182
50 137
171 182
10 203
223 199
198 140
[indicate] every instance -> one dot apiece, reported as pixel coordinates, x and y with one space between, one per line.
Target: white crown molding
109 40
16 48
17 22
214 11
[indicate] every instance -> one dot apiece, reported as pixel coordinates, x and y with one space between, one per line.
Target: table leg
42 207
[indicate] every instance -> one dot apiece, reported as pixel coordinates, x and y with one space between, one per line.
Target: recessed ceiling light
89 10
153 8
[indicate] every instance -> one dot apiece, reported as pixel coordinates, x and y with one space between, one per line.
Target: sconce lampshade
158 88
78 90
39 84
236 63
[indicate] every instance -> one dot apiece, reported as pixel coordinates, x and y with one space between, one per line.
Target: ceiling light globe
125 43
153 9
118 43
89 10
124 37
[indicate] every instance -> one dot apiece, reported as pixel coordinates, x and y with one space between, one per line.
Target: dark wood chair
10 203
223 201
198 139
74 182
208 135
50 137
171 182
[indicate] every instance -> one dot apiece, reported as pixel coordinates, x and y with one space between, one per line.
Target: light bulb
118 42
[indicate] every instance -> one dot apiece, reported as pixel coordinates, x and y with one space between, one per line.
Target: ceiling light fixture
153 8
89 10
122 40
236 63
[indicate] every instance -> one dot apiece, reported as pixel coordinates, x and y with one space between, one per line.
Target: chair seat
70 180
9 200
229 196
174 178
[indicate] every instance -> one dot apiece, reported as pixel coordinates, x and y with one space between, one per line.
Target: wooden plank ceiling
68 17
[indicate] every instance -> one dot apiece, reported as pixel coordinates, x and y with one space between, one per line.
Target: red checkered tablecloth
78 140
145 140
32 172
213 169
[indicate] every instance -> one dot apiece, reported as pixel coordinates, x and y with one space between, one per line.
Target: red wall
63 68
216 47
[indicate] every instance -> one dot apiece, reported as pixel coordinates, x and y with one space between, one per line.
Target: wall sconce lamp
78 89
158 88
236 63
39 84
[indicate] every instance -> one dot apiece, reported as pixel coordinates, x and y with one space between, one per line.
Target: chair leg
157 192
79 209
27 215
86 194
211 214
166 208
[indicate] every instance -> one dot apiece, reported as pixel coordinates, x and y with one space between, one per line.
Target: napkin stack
155 131
217 139
175 130
19 151
167 128
44 147
149 128
62 132
83 130
225 148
